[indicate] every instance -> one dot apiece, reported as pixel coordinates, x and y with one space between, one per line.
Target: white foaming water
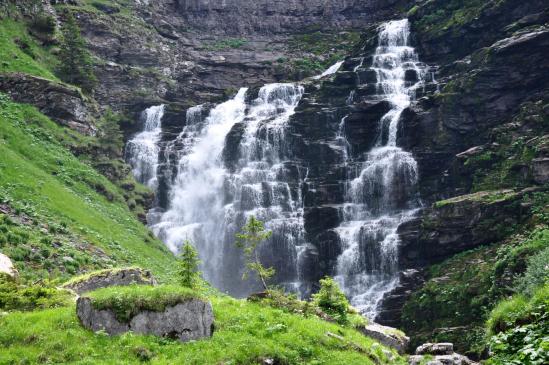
142 151
381 192
330 70
212 198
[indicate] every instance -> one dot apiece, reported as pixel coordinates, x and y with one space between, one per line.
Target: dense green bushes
519 330
17 297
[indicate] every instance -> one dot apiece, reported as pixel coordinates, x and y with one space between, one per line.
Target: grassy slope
39 175
244 334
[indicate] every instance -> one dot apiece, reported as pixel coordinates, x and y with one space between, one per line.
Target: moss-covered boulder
166 311
110 277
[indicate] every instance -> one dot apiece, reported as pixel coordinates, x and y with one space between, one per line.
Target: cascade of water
381 193
215 189
142 151
330 70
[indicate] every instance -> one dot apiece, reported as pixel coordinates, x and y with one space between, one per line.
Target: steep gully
236 159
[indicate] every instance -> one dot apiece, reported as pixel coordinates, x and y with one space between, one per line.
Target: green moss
127 301
481 196
245 334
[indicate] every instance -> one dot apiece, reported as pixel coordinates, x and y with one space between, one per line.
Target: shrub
536 275
332 300
14 296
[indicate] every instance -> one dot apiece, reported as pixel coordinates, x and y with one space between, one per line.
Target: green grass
245 333
19 52
42 179
128 301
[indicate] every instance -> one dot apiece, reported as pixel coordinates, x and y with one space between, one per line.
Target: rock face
459 224
190 320
114 277
439 354
64 104
388 336
6 266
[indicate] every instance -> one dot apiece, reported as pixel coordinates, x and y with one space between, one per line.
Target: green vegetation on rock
127 301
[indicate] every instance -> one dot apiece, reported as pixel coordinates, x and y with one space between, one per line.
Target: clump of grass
128 301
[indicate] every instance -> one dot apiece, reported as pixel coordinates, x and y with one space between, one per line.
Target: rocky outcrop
438 354
186 321
64 104
110 277
458 224
6 266
387 336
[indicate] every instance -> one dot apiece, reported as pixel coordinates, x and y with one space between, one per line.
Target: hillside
399 147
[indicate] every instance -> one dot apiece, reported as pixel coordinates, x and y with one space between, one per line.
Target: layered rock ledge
110 277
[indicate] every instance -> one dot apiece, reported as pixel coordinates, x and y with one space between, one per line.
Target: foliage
519 330
15 296
110 137
332 300
245 334
187 273
127 301
537 273
75 65
252 235
226 44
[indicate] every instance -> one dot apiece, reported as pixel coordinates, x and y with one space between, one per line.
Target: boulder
6 266
443 348
439 354
189 320
110 277
62 103
387 336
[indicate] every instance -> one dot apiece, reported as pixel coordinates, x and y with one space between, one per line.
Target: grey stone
186 321
540 170
387 336
442 348
6 266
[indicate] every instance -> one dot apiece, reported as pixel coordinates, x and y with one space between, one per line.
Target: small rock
6 266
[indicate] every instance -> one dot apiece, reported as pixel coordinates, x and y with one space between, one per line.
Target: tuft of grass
128 301
246 333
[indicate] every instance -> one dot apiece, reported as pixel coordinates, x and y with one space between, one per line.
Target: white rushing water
142 151
330 70
381 191
214 194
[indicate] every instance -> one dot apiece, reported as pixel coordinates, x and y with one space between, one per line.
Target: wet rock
186 321
387 336
110 277
64 104
6 266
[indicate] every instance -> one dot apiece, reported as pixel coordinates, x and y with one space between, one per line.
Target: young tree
332 300
187 271
254 233
110 136
75 61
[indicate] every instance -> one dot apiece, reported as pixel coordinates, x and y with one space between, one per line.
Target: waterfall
142 151
380 192
233 164
330 70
